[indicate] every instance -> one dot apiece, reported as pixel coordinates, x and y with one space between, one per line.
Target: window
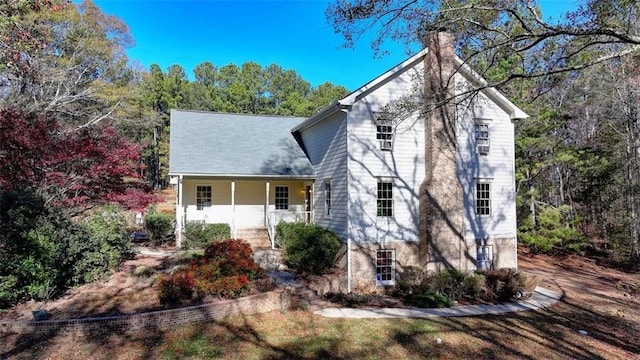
385 198
327 198
203 197
384 131
385 267
482 138
483 198
282 197
485 257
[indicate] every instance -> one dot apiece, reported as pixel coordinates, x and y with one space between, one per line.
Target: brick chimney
441 197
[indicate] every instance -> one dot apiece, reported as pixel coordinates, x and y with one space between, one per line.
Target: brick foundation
157 320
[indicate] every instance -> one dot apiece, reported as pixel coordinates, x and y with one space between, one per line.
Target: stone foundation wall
363 263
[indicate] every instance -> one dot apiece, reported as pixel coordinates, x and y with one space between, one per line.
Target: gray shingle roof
235 144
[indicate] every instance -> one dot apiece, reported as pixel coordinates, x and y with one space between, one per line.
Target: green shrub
309 248
43 251
159 227
429 300
107 246
33 247
199 235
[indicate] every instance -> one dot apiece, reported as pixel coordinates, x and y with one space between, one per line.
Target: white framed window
485 257
483 198
483 144
384 130
282 198
385 267
203 197
327 198
384 201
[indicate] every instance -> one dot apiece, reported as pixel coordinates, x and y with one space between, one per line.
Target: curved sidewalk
541 298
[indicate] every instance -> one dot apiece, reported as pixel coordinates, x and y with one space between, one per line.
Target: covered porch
242 202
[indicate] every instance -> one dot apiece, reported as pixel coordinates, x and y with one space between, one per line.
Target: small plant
143 271
159 227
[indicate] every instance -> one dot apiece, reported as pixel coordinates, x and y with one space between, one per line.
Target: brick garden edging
158 320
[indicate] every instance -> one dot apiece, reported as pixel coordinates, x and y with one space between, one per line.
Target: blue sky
291 33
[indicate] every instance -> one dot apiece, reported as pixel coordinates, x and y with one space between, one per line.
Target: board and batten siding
326 147
403 165
496 168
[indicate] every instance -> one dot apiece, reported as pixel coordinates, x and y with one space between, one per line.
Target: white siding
497 168
367 163
326 145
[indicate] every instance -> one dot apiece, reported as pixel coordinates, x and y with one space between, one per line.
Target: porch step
258 238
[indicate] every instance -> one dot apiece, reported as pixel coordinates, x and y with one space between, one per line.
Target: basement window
385 267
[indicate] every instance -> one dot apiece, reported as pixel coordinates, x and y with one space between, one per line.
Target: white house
402 181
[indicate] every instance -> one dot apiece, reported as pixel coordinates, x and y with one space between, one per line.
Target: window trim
486 138
327 198
200 207
380 201
383 263
275 198
478 199
385 130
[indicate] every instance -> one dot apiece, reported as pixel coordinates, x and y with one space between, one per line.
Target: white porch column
266 208
179 213
234 232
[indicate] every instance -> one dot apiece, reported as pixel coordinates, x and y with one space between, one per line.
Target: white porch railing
287 216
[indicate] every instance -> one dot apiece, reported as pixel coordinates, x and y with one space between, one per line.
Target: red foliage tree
74 168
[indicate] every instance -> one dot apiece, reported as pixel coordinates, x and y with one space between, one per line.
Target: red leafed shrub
233 258
231 286
176 288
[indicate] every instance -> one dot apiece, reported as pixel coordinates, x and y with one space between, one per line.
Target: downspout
346 109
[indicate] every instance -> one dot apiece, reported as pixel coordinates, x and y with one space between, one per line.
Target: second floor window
482 138
384 131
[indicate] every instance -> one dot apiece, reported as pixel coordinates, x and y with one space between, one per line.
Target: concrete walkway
541 298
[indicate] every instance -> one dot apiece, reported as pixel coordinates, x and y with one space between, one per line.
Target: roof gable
218 144
462 68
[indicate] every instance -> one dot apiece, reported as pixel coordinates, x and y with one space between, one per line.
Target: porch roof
218 144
